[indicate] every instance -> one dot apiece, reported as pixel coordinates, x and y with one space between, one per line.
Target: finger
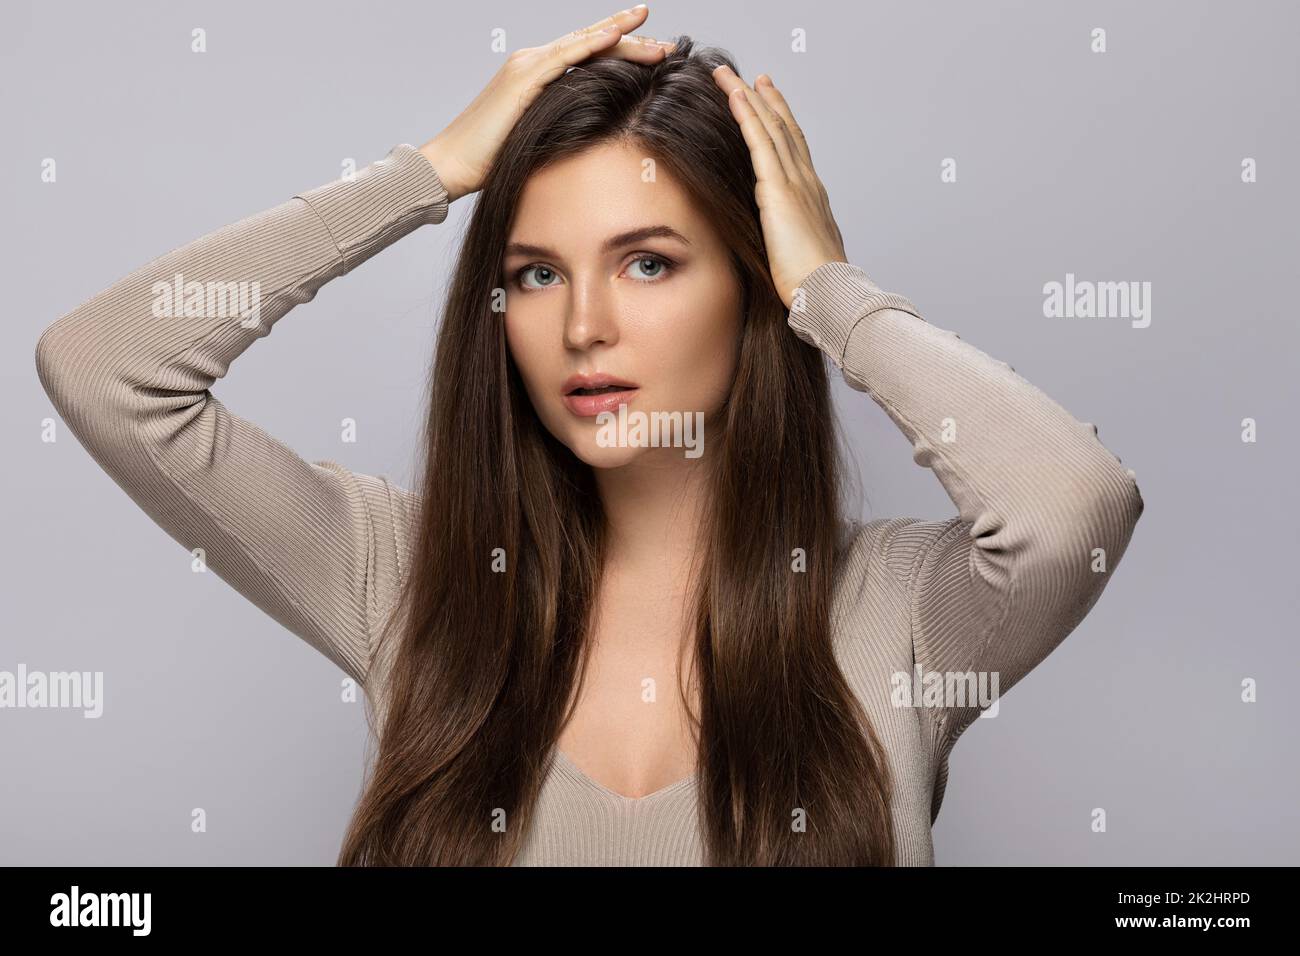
638 49
784 142
781 144
786 147
600 34
572 48
626 20
767 89
762 151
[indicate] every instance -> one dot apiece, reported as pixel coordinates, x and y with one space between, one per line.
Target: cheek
529 353
527 349
697 348
537 350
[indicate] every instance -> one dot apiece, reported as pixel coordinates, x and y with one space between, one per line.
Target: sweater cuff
380 203
832 300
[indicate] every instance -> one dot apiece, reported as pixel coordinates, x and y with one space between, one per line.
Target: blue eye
657 265
662 264
541 269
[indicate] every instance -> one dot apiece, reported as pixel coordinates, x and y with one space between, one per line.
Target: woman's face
590 292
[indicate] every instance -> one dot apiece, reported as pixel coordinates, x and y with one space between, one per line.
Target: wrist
443 168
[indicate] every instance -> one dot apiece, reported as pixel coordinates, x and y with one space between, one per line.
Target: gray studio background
1122 166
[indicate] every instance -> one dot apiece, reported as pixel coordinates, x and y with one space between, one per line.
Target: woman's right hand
463 152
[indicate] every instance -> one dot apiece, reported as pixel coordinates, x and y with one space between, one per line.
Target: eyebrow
611 244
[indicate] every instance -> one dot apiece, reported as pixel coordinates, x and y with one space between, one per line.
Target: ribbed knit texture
323 549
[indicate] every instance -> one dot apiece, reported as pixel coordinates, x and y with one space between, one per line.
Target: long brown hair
484 672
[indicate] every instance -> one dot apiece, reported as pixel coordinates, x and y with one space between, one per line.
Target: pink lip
589 406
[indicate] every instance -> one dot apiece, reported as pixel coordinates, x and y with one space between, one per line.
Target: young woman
581 648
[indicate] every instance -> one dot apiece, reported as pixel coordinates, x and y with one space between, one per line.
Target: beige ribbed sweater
322 549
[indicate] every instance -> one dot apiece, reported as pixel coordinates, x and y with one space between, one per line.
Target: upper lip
595 380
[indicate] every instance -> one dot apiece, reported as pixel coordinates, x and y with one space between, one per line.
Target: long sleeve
1045 511
311 543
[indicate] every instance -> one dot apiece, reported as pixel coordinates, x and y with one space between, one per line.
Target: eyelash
668 264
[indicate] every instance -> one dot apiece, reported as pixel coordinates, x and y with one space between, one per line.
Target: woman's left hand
798 228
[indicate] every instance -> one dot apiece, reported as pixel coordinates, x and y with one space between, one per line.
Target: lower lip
589 406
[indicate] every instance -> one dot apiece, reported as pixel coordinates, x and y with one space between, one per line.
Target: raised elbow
52 362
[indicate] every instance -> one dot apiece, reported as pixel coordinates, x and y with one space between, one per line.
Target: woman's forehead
583 200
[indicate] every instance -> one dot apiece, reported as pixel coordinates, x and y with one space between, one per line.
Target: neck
654 509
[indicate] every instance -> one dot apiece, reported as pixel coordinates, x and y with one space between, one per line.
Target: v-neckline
577 773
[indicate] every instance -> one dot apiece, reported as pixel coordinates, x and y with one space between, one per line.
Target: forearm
136 344
1012 459
311 543
1045 511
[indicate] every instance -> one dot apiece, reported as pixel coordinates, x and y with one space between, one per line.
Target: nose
591 318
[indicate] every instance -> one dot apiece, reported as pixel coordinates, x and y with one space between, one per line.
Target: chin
648 438
584 446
